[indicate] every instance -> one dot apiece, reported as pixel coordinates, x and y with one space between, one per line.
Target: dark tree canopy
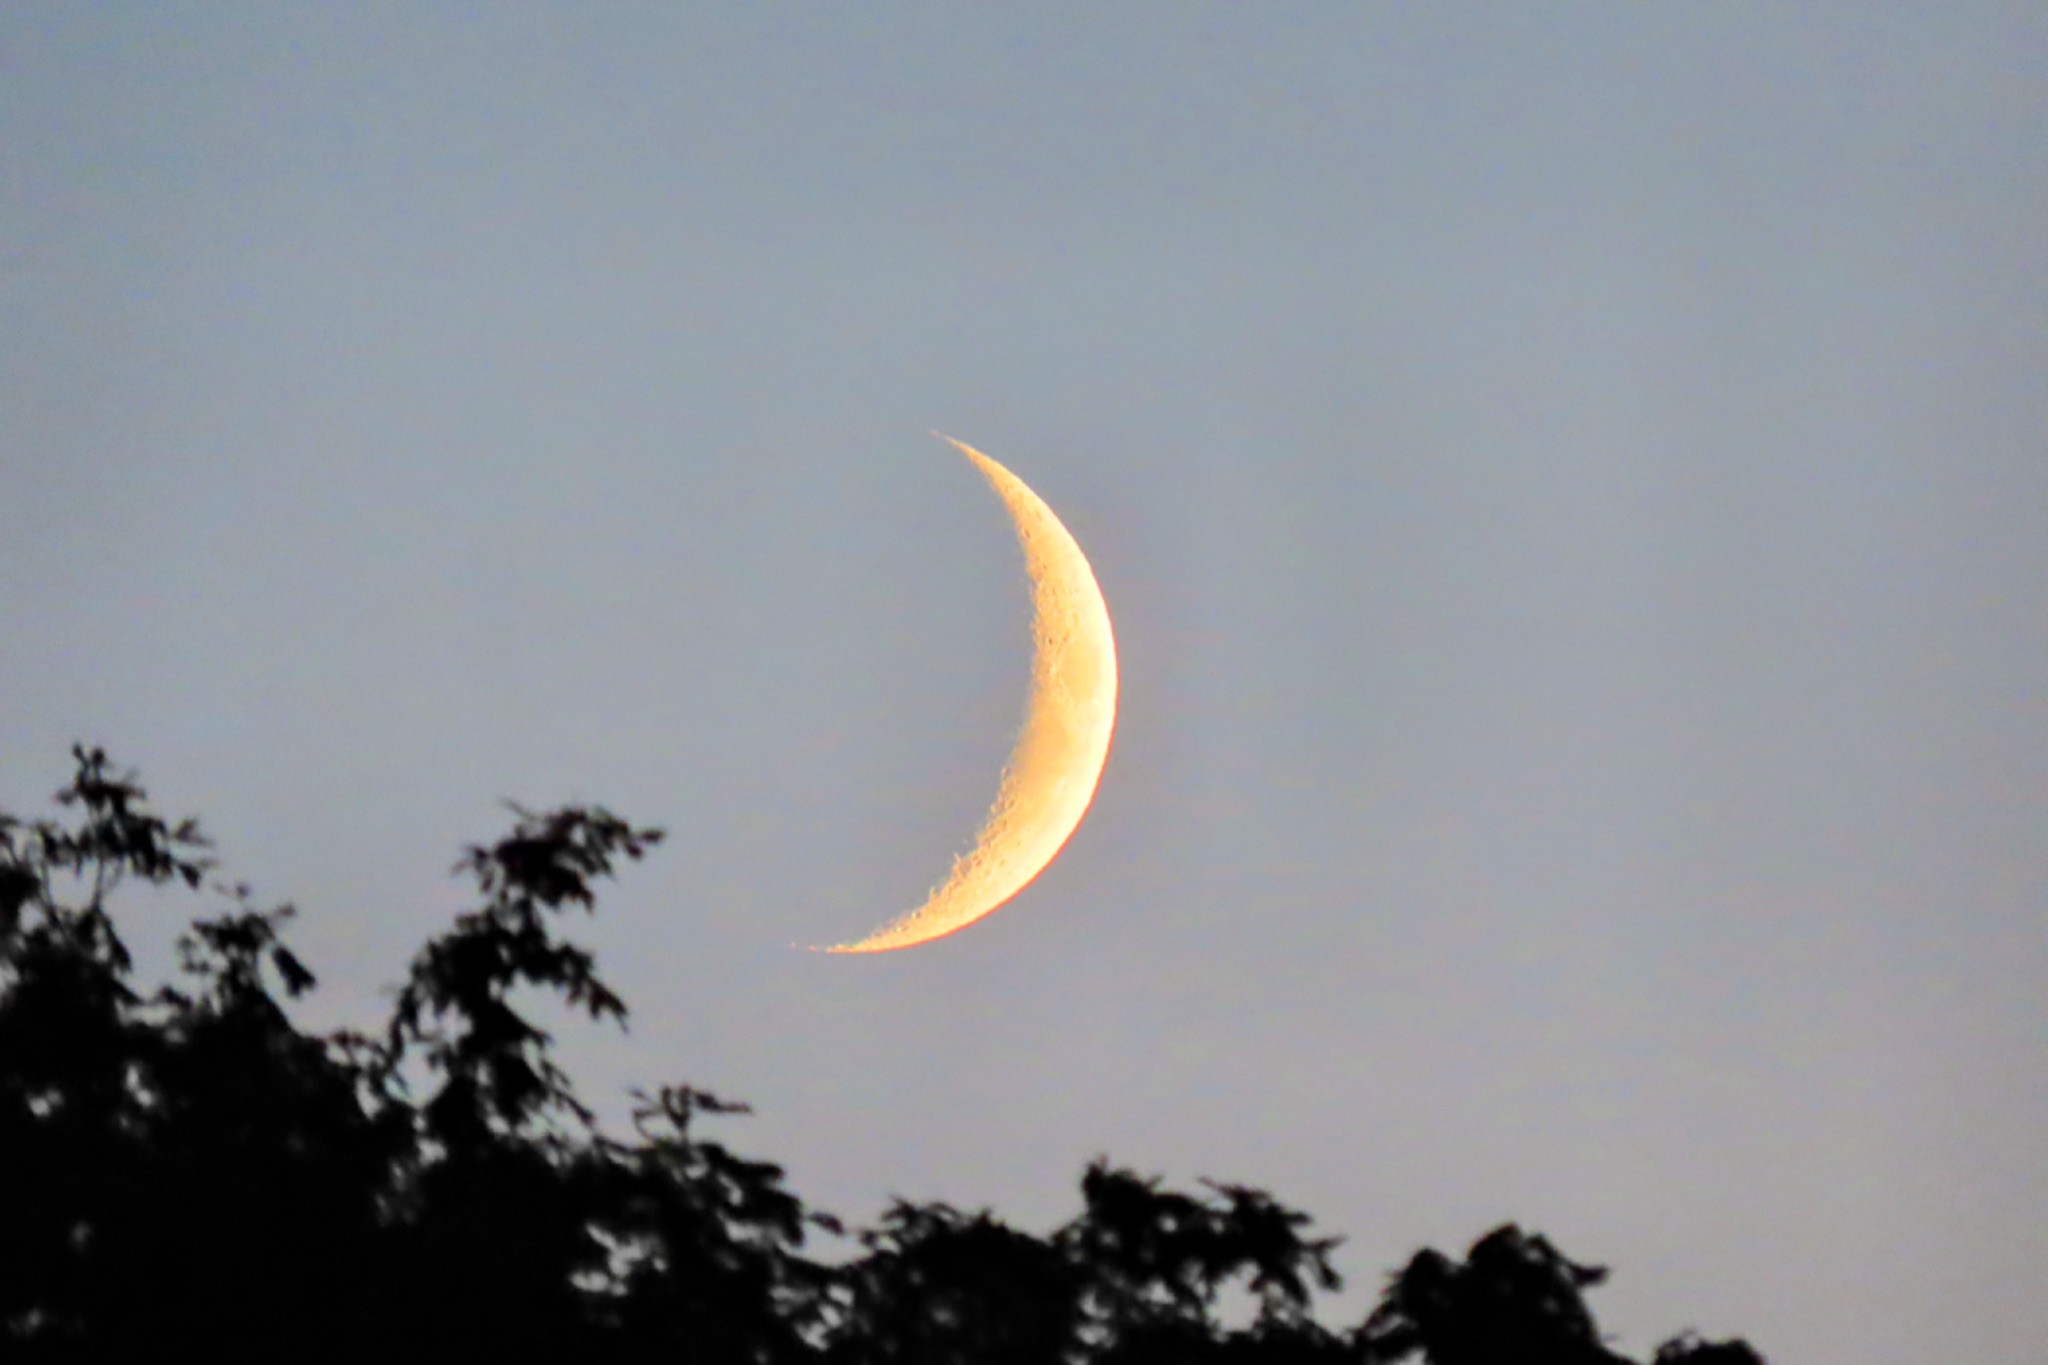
184 1167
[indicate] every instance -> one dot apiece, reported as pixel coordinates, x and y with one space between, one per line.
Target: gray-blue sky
1569 481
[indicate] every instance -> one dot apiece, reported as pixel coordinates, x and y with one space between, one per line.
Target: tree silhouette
187 1167
940 1285
1516 1297
1156 1263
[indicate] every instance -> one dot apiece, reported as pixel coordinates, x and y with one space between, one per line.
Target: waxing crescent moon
1058 760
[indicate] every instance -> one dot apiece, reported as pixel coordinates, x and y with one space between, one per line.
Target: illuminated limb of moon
1068 720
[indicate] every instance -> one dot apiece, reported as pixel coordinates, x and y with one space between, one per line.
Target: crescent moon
1053 771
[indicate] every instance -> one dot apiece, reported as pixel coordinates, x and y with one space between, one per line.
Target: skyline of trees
182 1164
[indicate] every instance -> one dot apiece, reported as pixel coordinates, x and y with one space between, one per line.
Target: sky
1568 480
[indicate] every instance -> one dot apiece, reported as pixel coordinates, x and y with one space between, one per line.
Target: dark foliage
185 1169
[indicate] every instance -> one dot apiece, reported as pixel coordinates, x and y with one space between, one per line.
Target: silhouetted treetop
496 1076
1515 1297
